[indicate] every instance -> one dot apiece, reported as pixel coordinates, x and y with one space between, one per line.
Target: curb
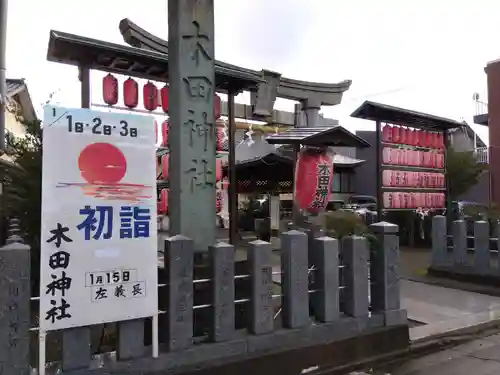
421 347
456 336
455 284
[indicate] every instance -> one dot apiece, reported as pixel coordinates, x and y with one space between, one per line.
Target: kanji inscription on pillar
192 136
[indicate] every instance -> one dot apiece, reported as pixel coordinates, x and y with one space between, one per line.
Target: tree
463 171
22 188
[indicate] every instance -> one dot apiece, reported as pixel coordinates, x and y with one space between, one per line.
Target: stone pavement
439 310
478 357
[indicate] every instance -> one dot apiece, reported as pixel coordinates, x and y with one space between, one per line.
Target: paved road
479 357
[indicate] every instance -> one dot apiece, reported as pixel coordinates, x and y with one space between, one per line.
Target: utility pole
3 84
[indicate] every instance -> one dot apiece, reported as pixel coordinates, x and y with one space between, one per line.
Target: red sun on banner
102 163
103 166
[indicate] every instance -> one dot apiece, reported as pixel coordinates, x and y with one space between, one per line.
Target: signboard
413 168
99 237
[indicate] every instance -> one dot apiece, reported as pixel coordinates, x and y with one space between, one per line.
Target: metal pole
3 84
231 169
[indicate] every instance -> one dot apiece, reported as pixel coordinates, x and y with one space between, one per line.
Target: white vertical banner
99 234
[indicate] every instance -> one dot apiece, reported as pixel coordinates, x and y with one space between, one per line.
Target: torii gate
148 59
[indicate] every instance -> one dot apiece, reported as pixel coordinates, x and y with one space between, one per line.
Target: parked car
335 205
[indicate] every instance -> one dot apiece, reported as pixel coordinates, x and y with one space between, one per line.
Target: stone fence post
384 267
460 243
354 250
15 305
439 241
482 247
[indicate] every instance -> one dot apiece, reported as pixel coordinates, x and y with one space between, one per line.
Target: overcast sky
425 55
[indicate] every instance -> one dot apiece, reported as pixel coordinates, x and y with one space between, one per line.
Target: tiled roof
338 159
258 150
320 135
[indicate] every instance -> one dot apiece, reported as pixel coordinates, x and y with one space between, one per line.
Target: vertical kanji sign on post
99 240
192 134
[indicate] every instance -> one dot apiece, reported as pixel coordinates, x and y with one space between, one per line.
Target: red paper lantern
406 156
163 206
164 166
110 89
220 139
386 178
164 98
386 133
422 137
218 170
387 200
150 96
440 140
409 137
217 106
434 140
218 202
164 133
386 155
395 134
403 136
313 179
130 93
428 139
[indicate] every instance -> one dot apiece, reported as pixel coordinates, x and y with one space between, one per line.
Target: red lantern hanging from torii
110 89
164 98
150 96
163 203
130 93
164 133
218 201
219 146
313 179
217 106
164 166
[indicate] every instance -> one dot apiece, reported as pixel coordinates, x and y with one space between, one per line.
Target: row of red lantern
164 168
412 137
413 158
412 179
164 135
162 204
152 97
413 200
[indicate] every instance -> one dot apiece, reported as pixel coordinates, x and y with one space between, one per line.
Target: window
336 182
341 182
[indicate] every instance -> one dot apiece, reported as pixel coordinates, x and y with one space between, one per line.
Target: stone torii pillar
192 133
